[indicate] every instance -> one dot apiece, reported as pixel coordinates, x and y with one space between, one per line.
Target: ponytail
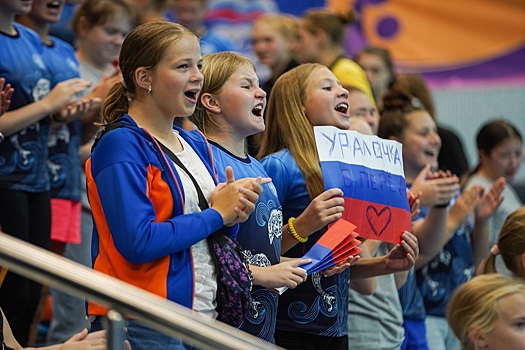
490 264
115 105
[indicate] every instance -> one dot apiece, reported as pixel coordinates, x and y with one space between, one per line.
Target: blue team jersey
409 295
64 140
23 155
427 291
319 305
453 266
260 238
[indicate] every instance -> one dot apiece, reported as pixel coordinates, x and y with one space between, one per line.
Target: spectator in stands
452 155
25 206
273 38
487 313
321 40
192 15
149 229
151 10
500 154
314 313
451 260
510 246
379 69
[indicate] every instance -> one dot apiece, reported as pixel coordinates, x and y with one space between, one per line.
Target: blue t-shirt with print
319 305
64 140
259 237
23 155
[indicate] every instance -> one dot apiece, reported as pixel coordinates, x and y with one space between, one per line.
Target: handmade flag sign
335 245
369 170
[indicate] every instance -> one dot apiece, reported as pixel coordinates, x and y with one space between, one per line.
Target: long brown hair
288 127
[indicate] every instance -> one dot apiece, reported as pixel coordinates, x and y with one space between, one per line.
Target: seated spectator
487 313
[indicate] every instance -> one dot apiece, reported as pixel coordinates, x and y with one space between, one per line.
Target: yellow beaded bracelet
293 232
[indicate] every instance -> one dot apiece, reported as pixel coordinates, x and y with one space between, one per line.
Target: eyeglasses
363 112
507 156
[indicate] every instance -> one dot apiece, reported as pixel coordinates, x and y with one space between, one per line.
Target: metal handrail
147 308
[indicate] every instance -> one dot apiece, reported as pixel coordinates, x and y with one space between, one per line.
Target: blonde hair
217 68
287 125
143 47
286 25
511 244
475 304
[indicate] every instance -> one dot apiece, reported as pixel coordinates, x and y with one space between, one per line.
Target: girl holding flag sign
229 109
314 313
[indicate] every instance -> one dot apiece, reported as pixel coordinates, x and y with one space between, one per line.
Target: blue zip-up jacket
140 235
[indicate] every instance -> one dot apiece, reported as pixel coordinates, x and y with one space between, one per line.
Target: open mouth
54 4
431 153
192 95
257 110
342 108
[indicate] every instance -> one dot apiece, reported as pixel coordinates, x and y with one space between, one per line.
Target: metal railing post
115 330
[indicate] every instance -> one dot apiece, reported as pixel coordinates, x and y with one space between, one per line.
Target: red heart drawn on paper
378 221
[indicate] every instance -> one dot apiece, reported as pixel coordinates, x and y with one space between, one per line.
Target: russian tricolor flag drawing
369 170
334 246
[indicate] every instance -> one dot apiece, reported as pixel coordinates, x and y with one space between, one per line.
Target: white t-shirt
205 276
511 203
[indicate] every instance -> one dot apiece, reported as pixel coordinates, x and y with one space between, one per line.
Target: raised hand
105 84
76 109
324 209
6 91
235 200
436 188
63 93
403 256
413 203
491 201
463 206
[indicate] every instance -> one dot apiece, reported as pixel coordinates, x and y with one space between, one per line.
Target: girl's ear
483 156
477 338
82 26
210 103
143 78
392 137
